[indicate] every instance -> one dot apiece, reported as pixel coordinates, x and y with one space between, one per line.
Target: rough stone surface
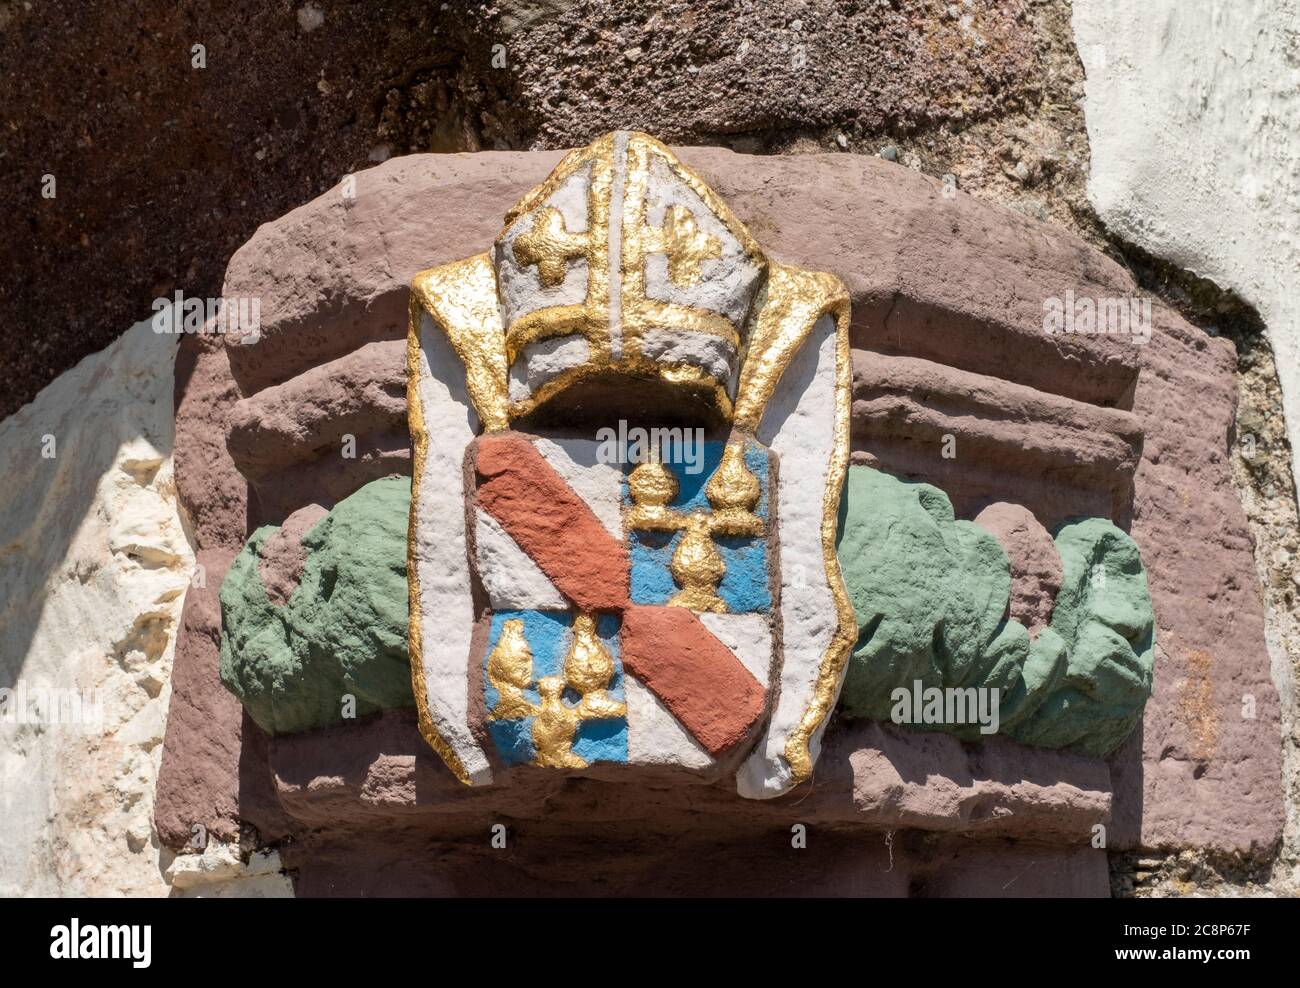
220 872
930 594
94 562
1103 615
279 428
333 277
1196 147
210 776
826 62
163 169
746 860
874 778
1035 563
283 556
96 530
1200 172
1268 493
879 823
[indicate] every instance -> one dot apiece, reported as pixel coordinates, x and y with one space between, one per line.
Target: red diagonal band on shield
554 526
696 677
668 649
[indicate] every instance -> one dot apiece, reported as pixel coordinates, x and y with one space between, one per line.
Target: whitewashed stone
95 566
447 611
513 581
1193 117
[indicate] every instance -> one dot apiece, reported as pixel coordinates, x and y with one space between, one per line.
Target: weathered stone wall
163 169
95 567
96 564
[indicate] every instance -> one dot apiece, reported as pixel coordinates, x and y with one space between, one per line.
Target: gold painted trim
830 676
599 196
569 164
544 324
672 317
462 299
639 312
636 184
701 188
592 318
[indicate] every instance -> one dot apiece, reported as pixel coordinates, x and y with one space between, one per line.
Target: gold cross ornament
687 248
550 246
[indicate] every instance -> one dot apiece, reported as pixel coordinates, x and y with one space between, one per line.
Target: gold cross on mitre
550 246
686 246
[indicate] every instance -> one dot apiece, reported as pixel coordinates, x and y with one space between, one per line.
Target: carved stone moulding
598 643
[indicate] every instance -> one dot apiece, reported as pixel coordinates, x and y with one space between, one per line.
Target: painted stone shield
580 609
630 613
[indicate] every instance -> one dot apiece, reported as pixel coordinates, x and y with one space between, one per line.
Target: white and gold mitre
624 261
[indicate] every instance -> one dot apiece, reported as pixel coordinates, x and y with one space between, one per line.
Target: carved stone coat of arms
580 606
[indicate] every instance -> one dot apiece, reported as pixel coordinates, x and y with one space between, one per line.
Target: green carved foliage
931 596
1103 613
343 630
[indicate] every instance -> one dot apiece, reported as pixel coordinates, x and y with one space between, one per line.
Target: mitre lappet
581 607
